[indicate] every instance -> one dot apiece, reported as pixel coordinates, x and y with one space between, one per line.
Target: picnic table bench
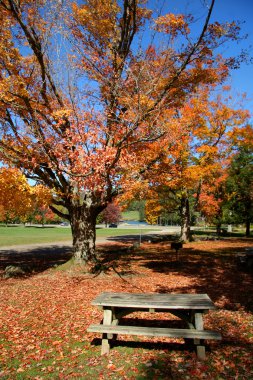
188 307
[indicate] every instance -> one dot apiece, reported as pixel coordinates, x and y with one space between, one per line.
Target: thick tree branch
59 213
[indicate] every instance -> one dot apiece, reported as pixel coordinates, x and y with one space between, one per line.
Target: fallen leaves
44 319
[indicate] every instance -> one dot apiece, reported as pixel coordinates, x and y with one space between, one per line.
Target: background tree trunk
248 215
247 227
218 228
185 218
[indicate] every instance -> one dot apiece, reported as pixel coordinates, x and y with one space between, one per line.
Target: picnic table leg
201 354
105 349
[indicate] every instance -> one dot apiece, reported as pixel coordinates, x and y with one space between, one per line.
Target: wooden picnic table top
154 301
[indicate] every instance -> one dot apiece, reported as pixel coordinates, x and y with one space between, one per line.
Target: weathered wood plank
155 301
201 351
199 321
105 349
156 331
107 316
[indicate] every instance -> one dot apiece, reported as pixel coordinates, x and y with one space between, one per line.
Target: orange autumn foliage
82 109
198 161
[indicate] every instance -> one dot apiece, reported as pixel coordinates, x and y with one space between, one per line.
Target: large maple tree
84 96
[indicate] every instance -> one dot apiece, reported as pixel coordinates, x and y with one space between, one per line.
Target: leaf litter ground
44 316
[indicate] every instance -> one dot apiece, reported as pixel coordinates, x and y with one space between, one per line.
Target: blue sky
227 10
241 79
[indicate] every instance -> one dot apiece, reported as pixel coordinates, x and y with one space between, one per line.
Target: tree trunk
83 226
218 228
248 211
247 223
185 218
83 209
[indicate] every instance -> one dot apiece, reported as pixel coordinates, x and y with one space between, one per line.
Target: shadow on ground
139 238
214 272
35 260
38 259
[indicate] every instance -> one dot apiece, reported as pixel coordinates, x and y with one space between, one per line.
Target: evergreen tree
240 188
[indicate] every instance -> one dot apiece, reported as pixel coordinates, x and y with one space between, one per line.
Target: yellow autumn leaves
17 197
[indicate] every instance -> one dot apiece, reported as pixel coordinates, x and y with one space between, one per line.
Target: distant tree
21 201
111 214
239 186
153 211
162 206
130 204
41 201
197 164
15 195
203 155
44 215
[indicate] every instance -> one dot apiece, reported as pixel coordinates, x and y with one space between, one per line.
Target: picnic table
188 307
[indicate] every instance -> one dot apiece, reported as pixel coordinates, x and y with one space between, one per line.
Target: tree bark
83 217
248 211
218 228
185 218
247 223
83 228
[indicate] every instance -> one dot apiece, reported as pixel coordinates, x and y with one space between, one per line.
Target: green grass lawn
130 215
31 235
